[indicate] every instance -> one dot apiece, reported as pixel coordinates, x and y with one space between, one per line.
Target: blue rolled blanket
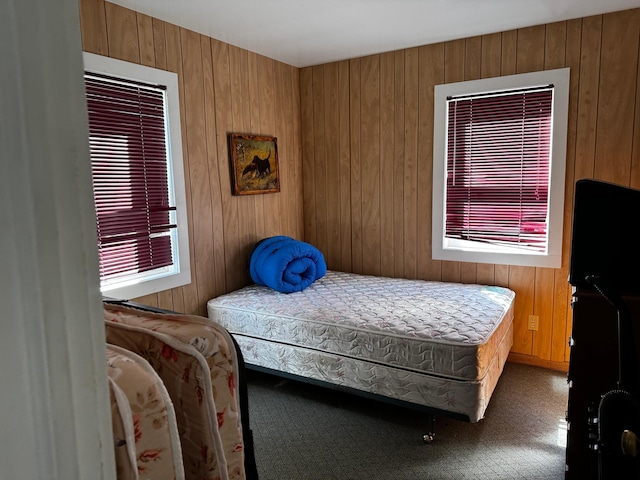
285 264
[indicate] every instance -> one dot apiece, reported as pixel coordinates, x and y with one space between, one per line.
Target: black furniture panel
603 244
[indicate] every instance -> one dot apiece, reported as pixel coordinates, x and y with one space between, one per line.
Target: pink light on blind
129 167
498 151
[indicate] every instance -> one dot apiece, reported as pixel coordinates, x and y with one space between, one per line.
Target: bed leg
430 435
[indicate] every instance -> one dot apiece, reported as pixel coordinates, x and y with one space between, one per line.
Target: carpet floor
307 432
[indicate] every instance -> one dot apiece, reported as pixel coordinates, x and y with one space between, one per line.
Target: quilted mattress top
449 329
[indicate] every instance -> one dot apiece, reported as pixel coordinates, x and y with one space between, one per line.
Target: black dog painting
254 164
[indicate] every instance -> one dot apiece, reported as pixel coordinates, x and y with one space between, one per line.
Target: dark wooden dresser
604 244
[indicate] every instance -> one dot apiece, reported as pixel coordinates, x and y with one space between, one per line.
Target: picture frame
254 164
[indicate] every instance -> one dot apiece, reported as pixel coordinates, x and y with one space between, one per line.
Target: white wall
54 411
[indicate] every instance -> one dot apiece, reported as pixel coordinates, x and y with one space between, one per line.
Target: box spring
434 344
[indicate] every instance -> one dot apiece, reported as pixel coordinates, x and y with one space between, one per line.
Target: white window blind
498 157
499 169
129 164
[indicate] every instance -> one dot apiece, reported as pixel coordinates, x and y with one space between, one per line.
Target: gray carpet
308 432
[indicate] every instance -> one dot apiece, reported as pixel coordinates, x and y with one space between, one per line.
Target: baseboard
538 362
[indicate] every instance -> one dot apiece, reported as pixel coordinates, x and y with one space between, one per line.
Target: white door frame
55 420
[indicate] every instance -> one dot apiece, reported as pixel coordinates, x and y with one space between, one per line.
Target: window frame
445 249
152 282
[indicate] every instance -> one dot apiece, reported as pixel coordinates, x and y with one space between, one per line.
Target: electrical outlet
533 322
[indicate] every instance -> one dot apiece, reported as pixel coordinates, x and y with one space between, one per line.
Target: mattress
194 338
186 377
124 440
405 339
140 393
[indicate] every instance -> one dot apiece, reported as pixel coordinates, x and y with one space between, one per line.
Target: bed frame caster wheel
431 430
428 438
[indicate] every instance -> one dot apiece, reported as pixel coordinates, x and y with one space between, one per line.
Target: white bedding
435 344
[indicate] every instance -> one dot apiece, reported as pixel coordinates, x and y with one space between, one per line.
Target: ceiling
302 33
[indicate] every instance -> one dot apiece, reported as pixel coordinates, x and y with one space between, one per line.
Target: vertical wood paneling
122 33
219 93
289 164
370 173
502 275
297 149
147 57
202 230
454 54
530 53
159 46
555 45
472 71
308 154
332 128
431 74
224 125
239 98
241 61
246 115
176 60
425 157
543 308
283 126
144 30
544 298
241 115
509 47
251 208
618 78
280 106
356 145
472 58
405 119
165 298
356 179
521 281
344 140
490 67
411 174
486 274
216 186
266 68
468 272
530 49
387 128
255 126
93 26
174 64
491 55
319 178
145 40
454 61
562 292
398 165
588 95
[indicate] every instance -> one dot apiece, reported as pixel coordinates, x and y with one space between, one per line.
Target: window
499 168
138 179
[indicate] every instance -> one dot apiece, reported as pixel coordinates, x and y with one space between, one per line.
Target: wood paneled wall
222 89
355 140
367 146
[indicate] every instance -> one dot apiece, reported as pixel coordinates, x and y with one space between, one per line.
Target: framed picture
254 164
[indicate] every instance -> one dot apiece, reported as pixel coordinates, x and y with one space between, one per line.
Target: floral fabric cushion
155 433
123 434
214 343
187 379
